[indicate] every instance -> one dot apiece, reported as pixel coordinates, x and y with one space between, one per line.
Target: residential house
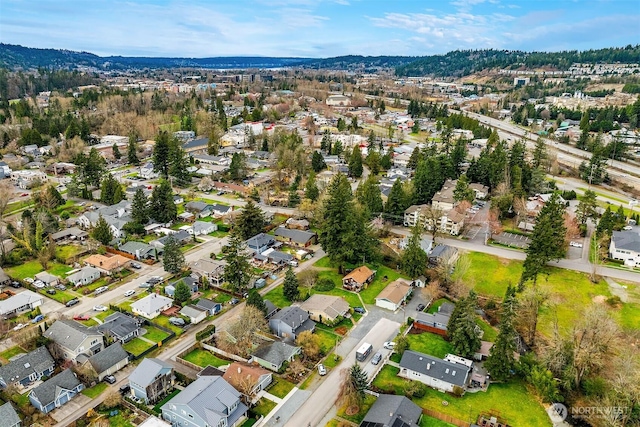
443 199
413 214
146 171
485 349
194 313
4 278
8 416
220 211
289 322
625 246
107 264
192 283
394 295
47 278
186 217
28 368
116 223
326 309
74 340
151 306
271 309
272 355
297 224
211 269
20 303
299 238
443 253
177 199
390 410
274 257
208 401
71 233
5 170
151 380
210 371
260 242
450 222
84 276
201 227
181 237
358 278
141 250
437 322
437 373
248 379
109 361
211 307
201 209
482 191
56 391
119 327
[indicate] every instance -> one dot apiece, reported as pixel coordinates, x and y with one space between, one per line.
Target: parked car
110 379
360 310
124 389
420 307
389 345
99 308
72 302
135 265
627 228
234 301
177 321
81 317
61 287
19 326
322 371
376 358
575 244
144 285
38 318
16 285
39 284
51 291
28 279
101 290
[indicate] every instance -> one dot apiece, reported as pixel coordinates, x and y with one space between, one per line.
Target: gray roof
46 277
108 357
196 205
23 298
298 236
198 226
279 257
210 397
72 231
271 307
119 325
433 367
206 304
196 143
391 410
147 371
275 352
8 416
627 240
84 272
442 250
4 277
191 311
223 209
132 246
260 240
151 303
179 237
47 391
38 360
292 316
69 333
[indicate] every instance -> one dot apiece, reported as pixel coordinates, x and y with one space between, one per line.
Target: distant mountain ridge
455 64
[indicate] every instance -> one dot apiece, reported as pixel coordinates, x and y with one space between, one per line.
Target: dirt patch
341 330
599 299
352 410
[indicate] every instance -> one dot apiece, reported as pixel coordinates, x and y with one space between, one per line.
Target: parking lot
512 240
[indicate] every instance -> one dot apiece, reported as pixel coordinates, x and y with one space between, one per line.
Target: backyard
11 352
137 346
204 358
155 334
95 391
31 268
429 343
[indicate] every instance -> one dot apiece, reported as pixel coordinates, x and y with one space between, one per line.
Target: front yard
280 387
95 391
155 334
137 346
204 358
263 407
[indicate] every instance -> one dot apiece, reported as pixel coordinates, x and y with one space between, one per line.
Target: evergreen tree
116 152
238 167
161 154
459 155
140 207
250 221
385 161
290 287
359 381
414 159
341 125
396 202
428 180
501 363
371 139
173 258
587 207
293 199
462 329
102 231
255 299
355 162
132 152
337 149
317 162
179 163
462 190
606 223
55 197
238 270
182 292
162 208
369 196
373 161
111 190
265 143
414 259
539 154
547 239
311 191
213 144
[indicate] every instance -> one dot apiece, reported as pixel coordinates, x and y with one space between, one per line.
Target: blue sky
316 28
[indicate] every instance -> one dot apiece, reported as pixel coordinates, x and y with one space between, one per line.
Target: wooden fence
446 418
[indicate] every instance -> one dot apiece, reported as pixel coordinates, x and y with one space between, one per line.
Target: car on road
177 321
110 379
234 301
575 244
99 308
389 345
19 326
135 265
322 371
627 228
420 307
38 318
144 285
129 293
376 358
81 317
72 302
360 310
100 290
51 291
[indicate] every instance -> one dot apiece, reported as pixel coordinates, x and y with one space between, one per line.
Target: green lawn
60 296
276 296
427 421
511 400
95 391
429 343
433 308
31 268
332 360
167 398
264 406
155 334
13 351
204 358
67 251
328 340
369 400
120 420
373 289
137 346
490 334
249 422
280 387
58 269
103 314
164 321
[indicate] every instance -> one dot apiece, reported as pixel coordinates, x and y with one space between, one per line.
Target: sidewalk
285 407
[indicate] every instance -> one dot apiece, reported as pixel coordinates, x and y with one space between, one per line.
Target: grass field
369 400
9 353
102 314
328 340
427 421
95 391
490 334
155 334
164 321
120 420
60 296
205 358
280 387
263 407
511 400
137 346
67 251
429 343
31 268
433 308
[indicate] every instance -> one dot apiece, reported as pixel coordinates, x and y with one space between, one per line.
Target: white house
24 301
394 295
440 374
625 246
146 171
195 314
151 306
84 276
202 227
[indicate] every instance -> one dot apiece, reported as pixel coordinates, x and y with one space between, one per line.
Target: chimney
428 366
239 369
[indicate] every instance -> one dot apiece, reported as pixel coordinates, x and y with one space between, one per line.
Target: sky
316 28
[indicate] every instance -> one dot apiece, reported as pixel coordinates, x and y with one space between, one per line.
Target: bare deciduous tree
529 304
242 332
310 344
307 279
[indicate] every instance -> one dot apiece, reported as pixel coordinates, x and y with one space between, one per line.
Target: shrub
64 215
324 285
206 333
614 301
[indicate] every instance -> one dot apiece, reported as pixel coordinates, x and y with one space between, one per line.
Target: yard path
617 289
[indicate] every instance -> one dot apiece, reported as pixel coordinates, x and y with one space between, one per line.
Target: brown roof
237 372
359 275
331 305
454 216
107 263
395 291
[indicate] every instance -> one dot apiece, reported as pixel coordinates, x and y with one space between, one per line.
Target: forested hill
463 62
19 57
359 62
